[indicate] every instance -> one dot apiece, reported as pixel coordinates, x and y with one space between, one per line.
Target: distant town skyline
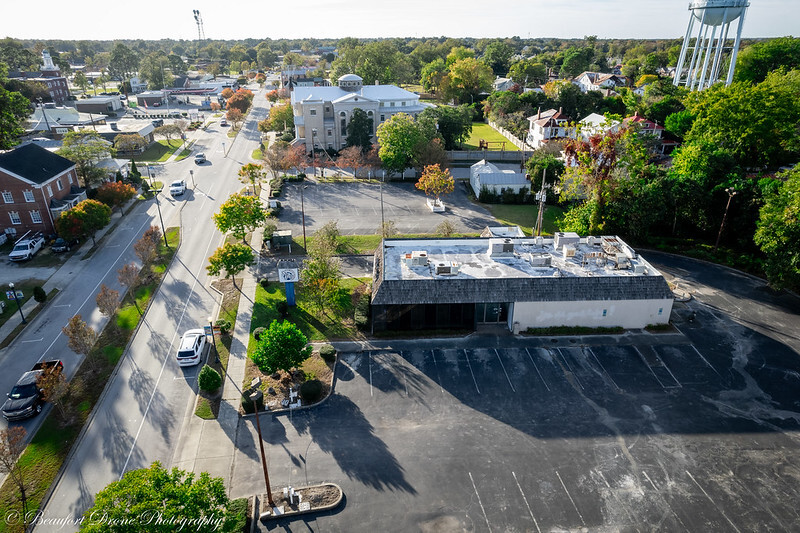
152 20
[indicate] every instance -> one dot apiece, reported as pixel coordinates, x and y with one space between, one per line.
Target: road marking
504 370
471 372
705 361
34 340
570 498
535 523
670 372
650 480
369 363
641 356
537 370
479 501
574 375
712 501
438 376
112 245
604 370
63 305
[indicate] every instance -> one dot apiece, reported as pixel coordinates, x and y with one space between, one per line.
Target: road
139 418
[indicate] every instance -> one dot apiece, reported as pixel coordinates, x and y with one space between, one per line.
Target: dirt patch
318 496
276 387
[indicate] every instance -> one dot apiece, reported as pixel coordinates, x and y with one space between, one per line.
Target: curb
263 517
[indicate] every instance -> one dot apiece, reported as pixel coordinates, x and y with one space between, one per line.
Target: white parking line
712 501
438 377
33 340
705 361
535 523
504 371
570 498
648 366
369 364
650 480
578 381
537 370
471 372
670 373
604 370
479 501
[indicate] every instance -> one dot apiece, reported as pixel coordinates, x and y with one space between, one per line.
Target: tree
778 231
435 182
679 123
496 55
128 276
154 68
107 300
168 131
235 117
12 444
240 214
322 270
351 157
446 229
241 100
81 81
759 59
85 148
251 173
232 258
282 346
296 158
280 118
145 249
466 79
170 497
388 229
528 72
54 388
266 57
80 336
115 194
359 130
130 143
432 74
94 215
275 158
123 62
544 162
226 93
429 152
397 138
378 61
453 124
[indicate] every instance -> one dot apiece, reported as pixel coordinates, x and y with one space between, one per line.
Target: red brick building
36 185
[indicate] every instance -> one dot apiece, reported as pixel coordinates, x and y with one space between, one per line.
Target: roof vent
417 258
447 268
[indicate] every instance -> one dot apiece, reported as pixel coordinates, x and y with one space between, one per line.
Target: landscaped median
44 456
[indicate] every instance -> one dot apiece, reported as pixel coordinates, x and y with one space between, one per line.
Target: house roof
643 122
34 163
331 94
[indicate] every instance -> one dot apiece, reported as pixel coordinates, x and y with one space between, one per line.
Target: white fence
512 138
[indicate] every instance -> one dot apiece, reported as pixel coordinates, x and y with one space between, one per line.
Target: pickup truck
26 398
26 247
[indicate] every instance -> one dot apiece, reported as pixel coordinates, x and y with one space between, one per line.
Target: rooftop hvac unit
540 260
623 263
568 251
594 241
539 240
447 268
565 238
501 247
639 268
418 258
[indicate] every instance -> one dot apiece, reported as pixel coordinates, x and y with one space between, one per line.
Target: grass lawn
481 130
11 310
257 154
29 317
524 216
160 150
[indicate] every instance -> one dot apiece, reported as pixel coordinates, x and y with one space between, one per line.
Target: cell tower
201 34
704 65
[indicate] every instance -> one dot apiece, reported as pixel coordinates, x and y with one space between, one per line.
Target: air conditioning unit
568 251
639 268
447 268
501 247
566 238
540 260
415 259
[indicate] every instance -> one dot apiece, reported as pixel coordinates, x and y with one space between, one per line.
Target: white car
177 187
191 347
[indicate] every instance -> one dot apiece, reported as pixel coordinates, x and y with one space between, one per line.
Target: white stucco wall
626 313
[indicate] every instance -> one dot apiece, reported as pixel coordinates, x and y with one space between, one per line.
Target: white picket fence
512 138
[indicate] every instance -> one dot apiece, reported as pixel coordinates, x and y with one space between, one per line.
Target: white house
643 125
595 124
321 114
546 126
502 84
484 174
594 81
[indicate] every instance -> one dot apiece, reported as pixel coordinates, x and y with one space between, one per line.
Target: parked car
27 246
62 245
177 187
191 347
200 158
26 398
223 122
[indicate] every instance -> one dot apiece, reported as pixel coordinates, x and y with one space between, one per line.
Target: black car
26 398
62 245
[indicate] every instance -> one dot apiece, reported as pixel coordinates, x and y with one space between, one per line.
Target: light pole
314 152
731 193
255 397
191 174
11 286
303 214
160 217
213 339
224 154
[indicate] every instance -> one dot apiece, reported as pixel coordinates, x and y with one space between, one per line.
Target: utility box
282 238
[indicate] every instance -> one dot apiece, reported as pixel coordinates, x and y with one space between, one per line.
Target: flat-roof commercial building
519 283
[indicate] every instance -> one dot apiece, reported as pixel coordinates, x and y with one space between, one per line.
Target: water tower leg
697 44
735 51
679 70
709 52
723 38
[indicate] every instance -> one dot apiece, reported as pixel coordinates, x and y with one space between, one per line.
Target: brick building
36 185
50 76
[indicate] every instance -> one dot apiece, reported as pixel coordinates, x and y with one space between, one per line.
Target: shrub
209 379
283 308
39 295
257 333
264 283
224 325
311 390
327 352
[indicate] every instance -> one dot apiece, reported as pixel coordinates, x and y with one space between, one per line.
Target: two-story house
595 81
548 125
321 114
36 186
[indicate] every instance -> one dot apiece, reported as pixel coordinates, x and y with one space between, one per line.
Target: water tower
702 54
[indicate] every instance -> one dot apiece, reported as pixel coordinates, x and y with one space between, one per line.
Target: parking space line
574 375
705 361
535 523
570 498
504 370
369 364
471 372
605 372
648 366
670 373
537 370
438 377
712 501
650 480
479 501
760 502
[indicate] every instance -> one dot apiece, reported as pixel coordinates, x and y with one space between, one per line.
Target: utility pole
731 193
541 196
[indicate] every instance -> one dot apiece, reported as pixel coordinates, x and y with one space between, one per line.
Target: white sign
287 275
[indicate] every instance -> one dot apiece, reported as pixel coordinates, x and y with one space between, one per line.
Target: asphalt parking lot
692 431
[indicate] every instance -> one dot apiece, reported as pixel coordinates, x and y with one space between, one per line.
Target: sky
159 19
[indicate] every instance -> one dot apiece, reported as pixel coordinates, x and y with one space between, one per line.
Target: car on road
200 158
190 350
177 187
223 122
62 245
26 398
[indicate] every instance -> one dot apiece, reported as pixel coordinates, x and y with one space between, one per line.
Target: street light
160 216
11 286
303 214
223 150
314 152
191 173
731 193
213 339
255 397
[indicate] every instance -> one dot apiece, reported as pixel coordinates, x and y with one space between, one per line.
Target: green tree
435 182
432 74
528 72
759 59
154 68
322 270
778 231
240 214
81 81
123 62
168 131
280 118
359 130
497 55
231 258
251 173
397 138
453 124
679 123
94 216
85 148
14 110
467 78
282 346
545 163
458 53
170 497
266 57
379 61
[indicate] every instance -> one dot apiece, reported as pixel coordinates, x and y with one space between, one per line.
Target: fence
473 156
511 137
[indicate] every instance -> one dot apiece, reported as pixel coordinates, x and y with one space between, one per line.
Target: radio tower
201 34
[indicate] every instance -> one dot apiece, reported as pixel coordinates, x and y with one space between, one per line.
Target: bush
311 390
287 136
39 295
247 404
224 326
257 333
264 283
209 379
327 352
283 308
